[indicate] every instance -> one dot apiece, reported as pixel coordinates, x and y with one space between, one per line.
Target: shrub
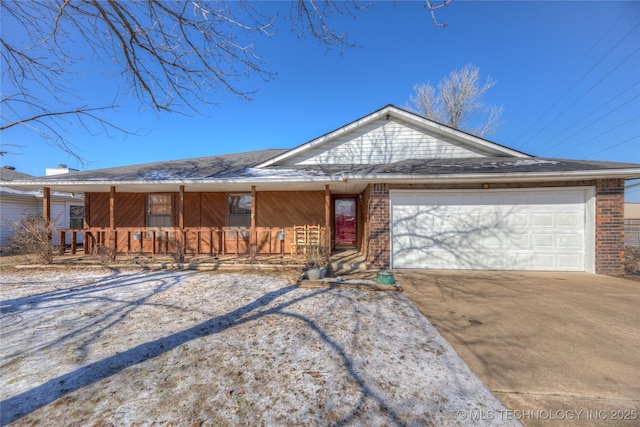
176 250
631 260
32 237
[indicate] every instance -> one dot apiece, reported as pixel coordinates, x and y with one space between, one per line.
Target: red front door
345 222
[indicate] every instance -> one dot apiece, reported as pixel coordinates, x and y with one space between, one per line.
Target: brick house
405 191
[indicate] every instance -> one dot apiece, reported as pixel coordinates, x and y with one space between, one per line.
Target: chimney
61 169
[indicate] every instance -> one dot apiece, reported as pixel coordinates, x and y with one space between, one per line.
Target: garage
548 229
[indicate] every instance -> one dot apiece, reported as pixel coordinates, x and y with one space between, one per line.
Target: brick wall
379 229
610 226
609 251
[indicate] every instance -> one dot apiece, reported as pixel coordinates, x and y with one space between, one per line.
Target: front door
345 222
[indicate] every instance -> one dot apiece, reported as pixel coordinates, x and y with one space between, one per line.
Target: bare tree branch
429 4
457 102
175 56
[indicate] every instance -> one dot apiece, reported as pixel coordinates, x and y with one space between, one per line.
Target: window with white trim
239 210
159 210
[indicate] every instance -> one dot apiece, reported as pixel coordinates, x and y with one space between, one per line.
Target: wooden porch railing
191 241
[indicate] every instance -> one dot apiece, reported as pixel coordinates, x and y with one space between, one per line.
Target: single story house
405 191
67 210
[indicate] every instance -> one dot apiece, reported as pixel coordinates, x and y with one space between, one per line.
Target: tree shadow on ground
23 404
76 296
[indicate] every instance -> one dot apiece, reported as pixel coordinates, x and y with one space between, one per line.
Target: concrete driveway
548 345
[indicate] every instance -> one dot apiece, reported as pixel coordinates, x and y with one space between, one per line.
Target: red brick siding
379 229
610 226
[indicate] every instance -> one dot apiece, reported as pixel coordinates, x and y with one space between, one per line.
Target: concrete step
347 262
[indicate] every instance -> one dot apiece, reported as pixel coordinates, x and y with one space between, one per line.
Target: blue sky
568 76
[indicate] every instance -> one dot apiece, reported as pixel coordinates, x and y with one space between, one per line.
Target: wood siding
130 209
205 217
213 209
385 141
273 209
288 208
192 207
99 208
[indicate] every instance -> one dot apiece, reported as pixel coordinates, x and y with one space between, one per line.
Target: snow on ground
103 347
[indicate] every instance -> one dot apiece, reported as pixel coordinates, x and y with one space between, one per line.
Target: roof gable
391 135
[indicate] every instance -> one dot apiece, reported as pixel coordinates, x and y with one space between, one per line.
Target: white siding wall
13 209
385 141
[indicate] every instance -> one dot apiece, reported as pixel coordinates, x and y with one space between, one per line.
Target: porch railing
189 241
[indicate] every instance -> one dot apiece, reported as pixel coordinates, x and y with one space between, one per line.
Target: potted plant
317 262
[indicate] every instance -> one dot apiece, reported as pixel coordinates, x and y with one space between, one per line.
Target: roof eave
344 177
247 181
500 177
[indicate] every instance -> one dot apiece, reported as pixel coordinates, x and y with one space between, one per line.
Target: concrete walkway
556 348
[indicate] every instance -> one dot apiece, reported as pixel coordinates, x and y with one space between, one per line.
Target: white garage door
529 229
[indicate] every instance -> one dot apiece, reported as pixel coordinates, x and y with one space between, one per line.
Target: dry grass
101 347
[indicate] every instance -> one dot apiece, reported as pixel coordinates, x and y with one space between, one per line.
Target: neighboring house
632 224
405 191
15 203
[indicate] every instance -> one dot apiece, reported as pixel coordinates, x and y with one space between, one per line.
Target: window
159 210
239 210
76 217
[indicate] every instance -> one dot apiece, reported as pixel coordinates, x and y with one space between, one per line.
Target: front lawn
103 347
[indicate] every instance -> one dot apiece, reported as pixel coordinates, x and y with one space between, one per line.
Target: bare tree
174 55
457 102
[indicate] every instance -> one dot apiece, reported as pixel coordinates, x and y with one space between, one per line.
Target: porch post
181 233
112 223
87 242
46 210
327 217
253 240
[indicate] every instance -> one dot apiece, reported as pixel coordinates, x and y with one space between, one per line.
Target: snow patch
184 348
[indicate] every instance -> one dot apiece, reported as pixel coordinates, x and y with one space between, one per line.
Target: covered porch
339 262
240 223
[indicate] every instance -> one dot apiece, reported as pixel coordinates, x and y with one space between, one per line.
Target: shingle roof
199 168
243 166
481 165
7 174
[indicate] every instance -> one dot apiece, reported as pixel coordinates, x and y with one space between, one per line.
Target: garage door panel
542 261
529 230
518 220
570 219
568 241
519 240
576 198
487 242
570 261
542 240
493 260
542 220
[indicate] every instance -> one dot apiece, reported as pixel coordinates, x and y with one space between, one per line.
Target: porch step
346 262
371 285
